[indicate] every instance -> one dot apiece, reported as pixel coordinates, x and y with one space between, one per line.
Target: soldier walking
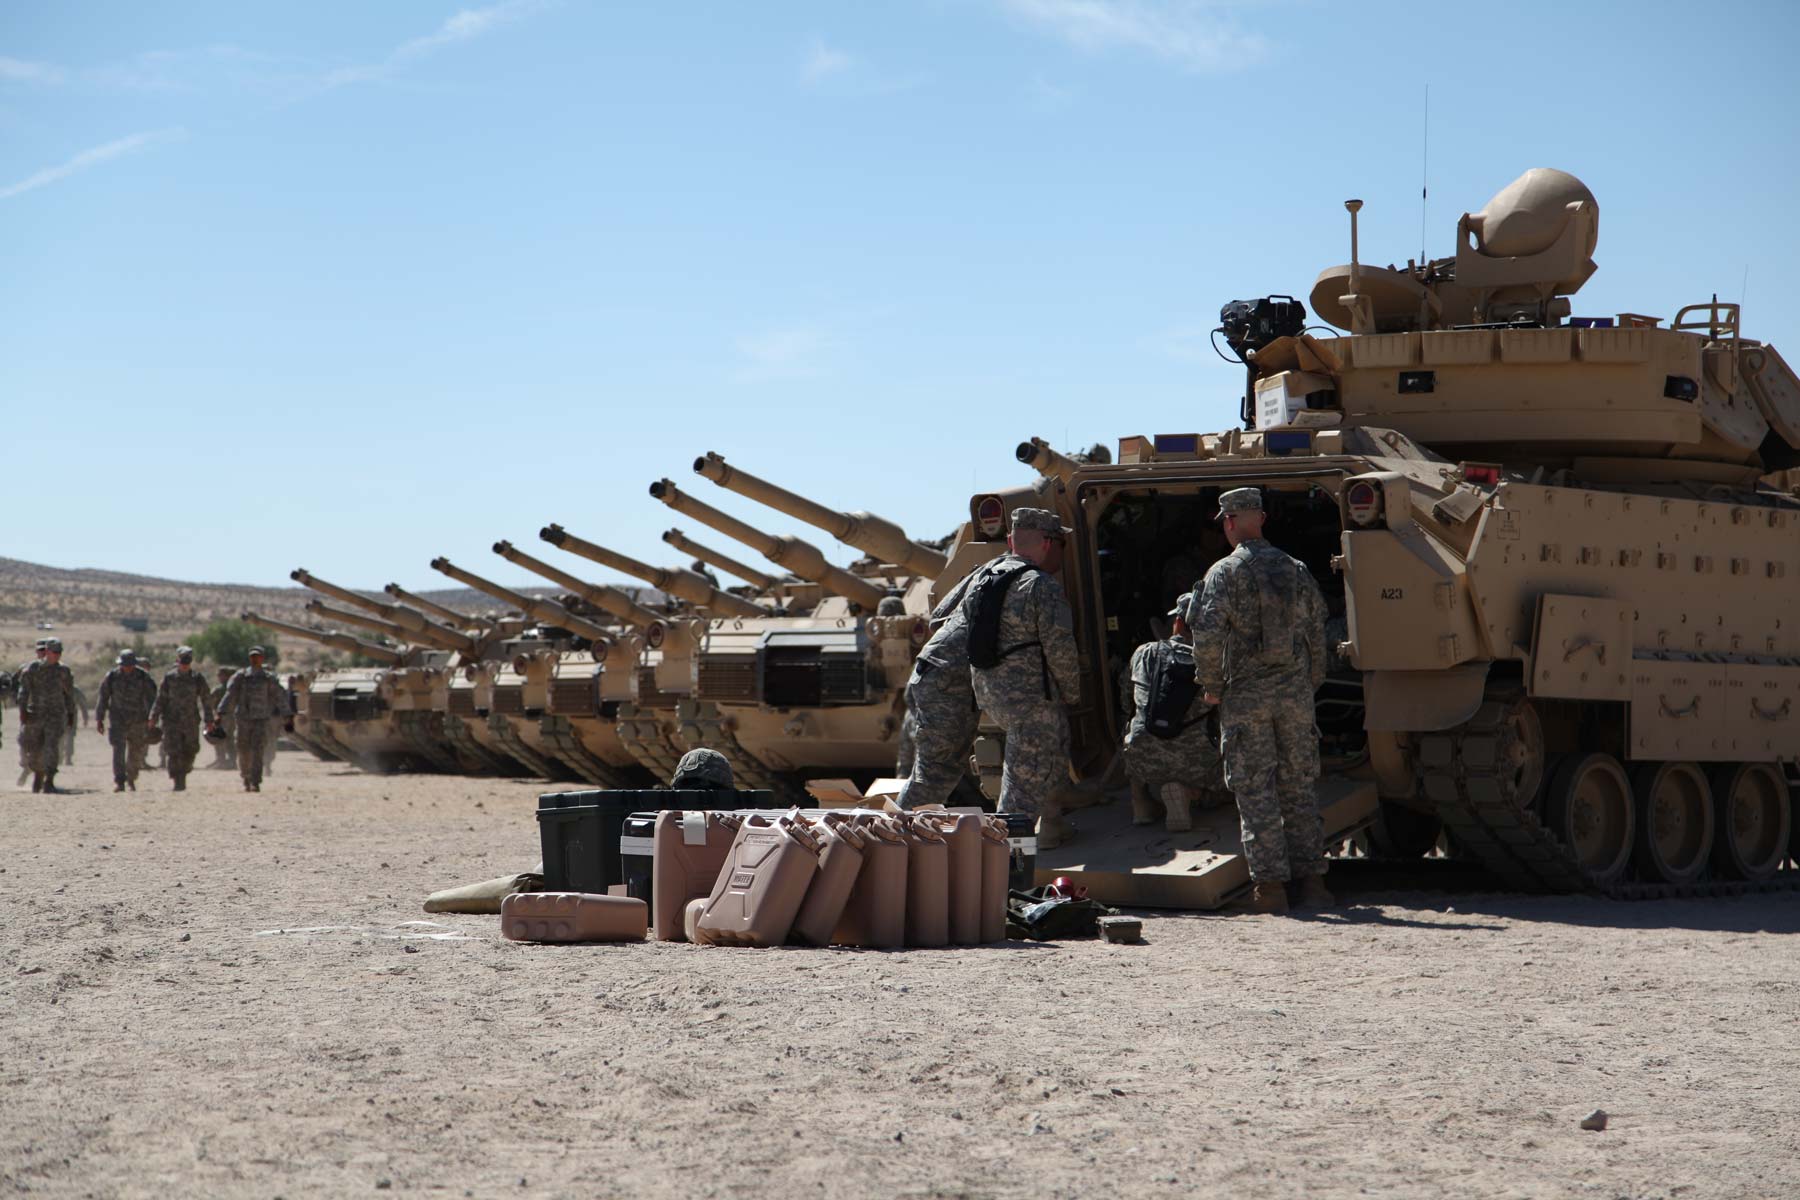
18 686
46 710
180 702
252 698
1024 668
81 702
223 755
127 695
1170 751
1259 652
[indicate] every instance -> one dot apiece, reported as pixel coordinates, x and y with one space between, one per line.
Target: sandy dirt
222 994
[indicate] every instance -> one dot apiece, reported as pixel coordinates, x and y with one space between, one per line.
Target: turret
608 599
338 641
449 615
418 627
683 585
871 534
713 558
802 558
546 611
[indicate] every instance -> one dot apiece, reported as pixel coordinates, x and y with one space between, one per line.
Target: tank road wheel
1589 806
1754 820
1674 821
1400 832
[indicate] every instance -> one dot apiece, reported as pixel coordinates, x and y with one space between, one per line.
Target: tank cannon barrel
450 616
339 641
1052 464
865 531
713 558
608 599
543 610
802 558
683 585
342 616
418 627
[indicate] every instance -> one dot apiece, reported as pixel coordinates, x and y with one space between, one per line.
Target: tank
690 586
1553 571
708 557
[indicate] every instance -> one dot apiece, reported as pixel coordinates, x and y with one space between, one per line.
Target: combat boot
50 783
180 783
1314 894
1143 808
1052 829
118 785
1178 807
37 781
1268 898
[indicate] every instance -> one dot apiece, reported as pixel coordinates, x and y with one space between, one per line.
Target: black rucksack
985 601
1172 691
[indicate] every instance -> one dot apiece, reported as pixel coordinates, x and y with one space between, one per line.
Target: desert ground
222 994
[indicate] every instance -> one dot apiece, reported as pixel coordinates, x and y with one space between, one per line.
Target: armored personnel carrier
1555 573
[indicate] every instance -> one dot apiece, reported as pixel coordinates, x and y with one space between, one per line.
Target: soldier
180 702
127 695
940 705
703 769
223 755
25 768
252 698
1025 669
1170 752
46 709
81 702
1259 652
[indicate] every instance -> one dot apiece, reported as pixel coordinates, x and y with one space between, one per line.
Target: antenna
1744 288
1424 172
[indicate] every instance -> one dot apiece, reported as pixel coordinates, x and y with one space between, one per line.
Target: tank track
425 740
641 731
326 740
509 737
560 736
456 732
1462 772
703 726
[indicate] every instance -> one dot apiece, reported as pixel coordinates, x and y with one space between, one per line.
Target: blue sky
352 285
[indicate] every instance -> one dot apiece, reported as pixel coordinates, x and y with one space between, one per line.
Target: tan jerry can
996 870
927 881
572 917
840 862
763 881
875 914
687 850
962 835
690 921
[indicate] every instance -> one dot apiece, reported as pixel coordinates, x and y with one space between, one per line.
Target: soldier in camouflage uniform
81 702
253 699
703 769
940 704
46 710
18 684
1038 674
1259 650
223 755
1173 769
127 695
180 702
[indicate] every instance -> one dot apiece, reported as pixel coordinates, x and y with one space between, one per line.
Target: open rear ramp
1144 866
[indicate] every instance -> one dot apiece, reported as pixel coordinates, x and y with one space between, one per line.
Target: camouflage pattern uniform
1259 645
940 704
81 702
223 754
1026 692
180 702
46 708
703 769
126 697
1190 758
253 699
18 691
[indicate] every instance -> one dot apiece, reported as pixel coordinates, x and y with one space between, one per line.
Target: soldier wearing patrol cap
1171 756
180 703
1259 651
254 699
127 695
1032 670
19 683
46 710
703 769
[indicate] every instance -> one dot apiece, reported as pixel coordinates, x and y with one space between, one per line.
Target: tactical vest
986 603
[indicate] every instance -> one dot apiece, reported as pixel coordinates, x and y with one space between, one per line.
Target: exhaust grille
462 702
573 697
509 699
732 678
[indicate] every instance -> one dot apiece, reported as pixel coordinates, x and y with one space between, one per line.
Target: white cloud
463 26
790 352
89 158
823 61
17 70
1188 32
